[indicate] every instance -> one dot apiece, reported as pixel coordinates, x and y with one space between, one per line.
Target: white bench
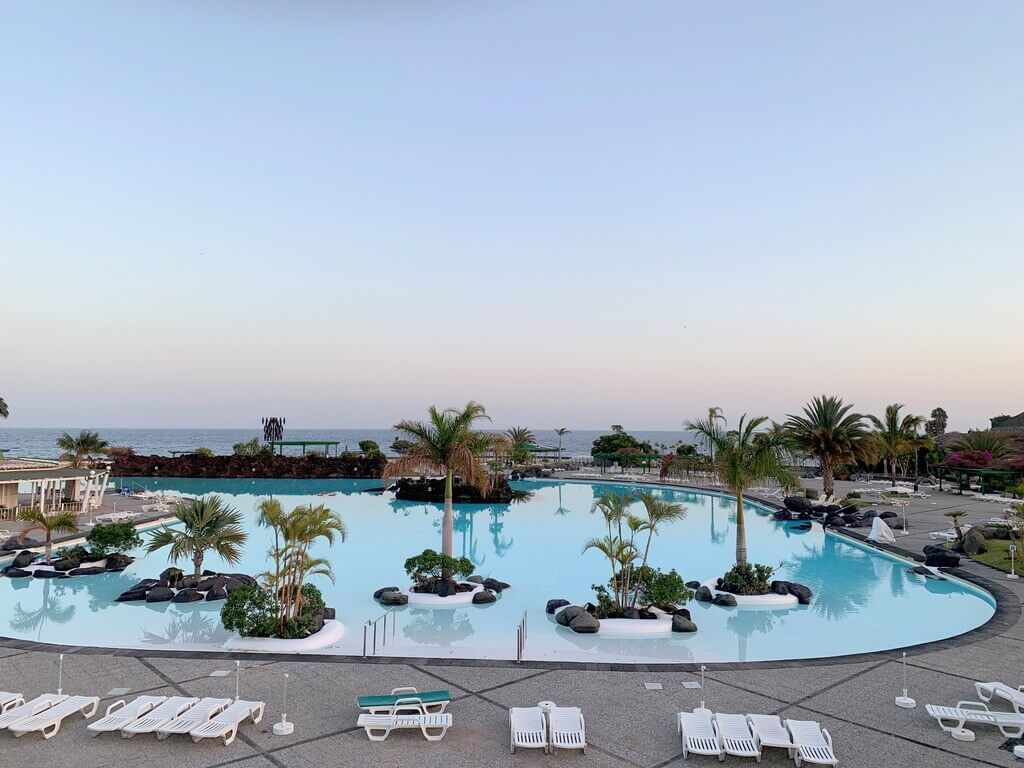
379 727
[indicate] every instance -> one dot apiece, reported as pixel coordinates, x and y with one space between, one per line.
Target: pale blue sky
575 212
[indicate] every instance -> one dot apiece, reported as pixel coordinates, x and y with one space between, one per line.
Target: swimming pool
864 600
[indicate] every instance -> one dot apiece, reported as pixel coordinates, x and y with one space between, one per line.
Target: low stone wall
262 466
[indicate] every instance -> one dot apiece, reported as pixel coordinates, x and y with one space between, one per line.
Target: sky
577 213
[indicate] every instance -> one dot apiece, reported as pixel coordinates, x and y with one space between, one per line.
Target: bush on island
429 567
253 612
113 537
748 579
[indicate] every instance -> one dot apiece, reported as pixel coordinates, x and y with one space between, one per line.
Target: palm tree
984 440
448 445
58 522
85 446
659 511
831 433
714 416
744 458
561 432
4 412
207 524
521 438
897 435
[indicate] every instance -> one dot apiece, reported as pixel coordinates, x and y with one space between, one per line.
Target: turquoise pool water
863 600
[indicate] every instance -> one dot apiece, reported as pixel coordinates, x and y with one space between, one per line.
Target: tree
619 441
715 415
830 432
448 445
561 432
85 446
936 425
520 438
207 524
659 512
984 441
57 522
897 435
4 411
370 448
744 458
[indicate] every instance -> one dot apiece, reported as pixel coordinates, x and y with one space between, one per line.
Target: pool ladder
521 638
383 619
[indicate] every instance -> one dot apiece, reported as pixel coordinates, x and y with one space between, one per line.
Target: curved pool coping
1008 610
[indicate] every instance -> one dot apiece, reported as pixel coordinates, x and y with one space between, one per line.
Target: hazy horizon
576 213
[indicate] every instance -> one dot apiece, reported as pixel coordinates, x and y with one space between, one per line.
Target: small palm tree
955 515
897 435
831 433
561 432
744 458
448 445
57 522
715 415
207 524
78 449
659 512
4 412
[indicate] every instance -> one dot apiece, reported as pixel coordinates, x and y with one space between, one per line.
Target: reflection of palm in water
192 627
836 596
52 609
502 544
441 626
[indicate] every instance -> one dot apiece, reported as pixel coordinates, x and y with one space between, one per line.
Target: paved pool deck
627 724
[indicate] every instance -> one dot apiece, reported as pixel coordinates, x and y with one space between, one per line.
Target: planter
331 633
425 600
770 600
659 626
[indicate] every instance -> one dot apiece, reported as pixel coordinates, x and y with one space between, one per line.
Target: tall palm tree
897 435
4 411
85 446
830 432
207 524
745 458
561 432
448 445
521 438
715 415
57 522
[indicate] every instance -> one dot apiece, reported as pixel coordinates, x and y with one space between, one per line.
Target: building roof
16 470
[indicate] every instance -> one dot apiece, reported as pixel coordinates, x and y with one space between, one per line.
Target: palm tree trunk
197 564
828 478
741 531
49 546
447 522
893 463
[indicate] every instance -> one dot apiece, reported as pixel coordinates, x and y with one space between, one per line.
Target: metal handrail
393 613
521 638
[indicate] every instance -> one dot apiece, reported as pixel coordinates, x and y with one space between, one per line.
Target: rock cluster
940 557
581 618
432 489
391 596
174 586
64 568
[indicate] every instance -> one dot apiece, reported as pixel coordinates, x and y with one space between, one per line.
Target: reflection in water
463 523
717 537
437 626
194 626
836 595
745 622
51 609
502 544
561 510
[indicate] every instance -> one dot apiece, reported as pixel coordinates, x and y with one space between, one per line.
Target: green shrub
749 579
853 495
606 607
251 612
77 552
428 566
661 589
251 448
113 537
204 452
369 448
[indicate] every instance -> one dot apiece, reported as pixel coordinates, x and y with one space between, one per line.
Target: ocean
42 442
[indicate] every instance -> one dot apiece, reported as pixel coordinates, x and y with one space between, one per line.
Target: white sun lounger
734 735
769 731
156 718
379 727
193 717
1015 696
813 743
10 701
697 733
528 728
30 708
944 535
120 713
950 719
225 725
48 721
568 729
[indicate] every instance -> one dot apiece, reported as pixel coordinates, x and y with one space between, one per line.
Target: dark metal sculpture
273 428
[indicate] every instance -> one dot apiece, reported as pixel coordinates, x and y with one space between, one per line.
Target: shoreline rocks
174 586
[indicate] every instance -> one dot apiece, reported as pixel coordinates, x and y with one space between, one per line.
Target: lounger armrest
408 689
975 705
404 701
828 737
1020 688
116 706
